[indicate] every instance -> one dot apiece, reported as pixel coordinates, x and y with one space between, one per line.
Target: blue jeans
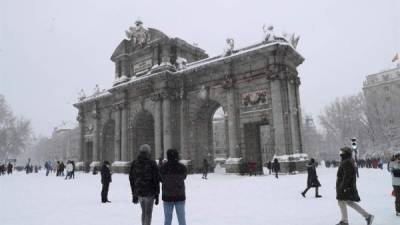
180 212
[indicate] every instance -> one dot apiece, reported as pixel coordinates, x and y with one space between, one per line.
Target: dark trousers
308 188
104 192
397 194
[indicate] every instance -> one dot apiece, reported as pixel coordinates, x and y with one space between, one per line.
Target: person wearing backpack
394 168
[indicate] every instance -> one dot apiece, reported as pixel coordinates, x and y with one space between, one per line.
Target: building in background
382 97
313 141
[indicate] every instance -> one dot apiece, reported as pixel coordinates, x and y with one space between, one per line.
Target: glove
157 200
135 199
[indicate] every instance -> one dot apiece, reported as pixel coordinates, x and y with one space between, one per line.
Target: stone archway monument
179 87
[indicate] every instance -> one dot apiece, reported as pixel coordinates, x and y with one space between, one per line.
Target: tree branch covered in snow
15 132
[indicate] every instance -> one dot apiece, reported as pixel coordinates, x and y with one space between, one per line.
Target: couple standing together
145 177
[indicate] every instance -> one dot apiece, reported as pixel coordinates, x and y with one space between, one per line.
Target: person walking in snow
9 168
145 183
58 169
276 167
394 168
312 179
346 189
62 168
173 175
69 170
269 166
47 167
205 168
105 173
73 169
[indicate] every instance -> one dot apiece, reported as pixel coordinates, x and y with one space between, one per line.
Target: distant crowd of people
6 168
60 167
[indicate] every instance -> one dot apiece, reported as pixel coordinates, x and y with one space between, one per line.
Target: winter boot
303 194
342 223
369 219
316 193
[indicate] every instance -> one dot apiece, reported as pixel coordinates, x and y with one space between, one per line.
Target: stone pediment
137 40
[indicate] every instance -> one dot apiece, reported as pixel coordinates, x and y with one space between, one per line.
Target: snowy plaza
35 199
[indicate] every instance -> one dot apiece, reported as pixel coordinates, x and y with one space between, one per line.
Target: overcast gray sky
49 50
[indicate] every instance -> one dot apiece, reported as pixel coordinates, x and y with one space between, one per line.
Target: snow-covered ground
222 199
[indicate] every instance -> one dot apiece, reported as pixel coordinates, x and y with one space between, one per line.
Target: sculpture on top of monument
81 95
138 35
268 33
96 89
270 36
230 46
181 63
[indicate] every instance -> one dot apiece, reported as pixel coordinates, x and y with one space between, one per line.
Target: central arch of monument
166 91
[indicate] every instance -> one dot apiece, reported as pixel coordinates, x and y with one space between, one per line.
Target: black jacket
144 177
276 167
173 175
312 179
105 174
346 189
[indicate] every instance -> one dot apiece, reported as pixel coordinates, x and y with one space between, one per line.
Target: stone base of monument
188 164
232 165
120 167
292 164
94 164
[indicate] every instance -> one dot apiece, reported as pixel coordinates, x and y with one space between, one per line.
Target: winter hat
346 151
172 155
145 149
106 162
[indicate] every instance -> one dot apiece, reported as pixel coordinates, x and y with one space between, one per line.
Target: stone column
96 137
117 137
165 55
184 111
158 145
299 117
124 133
125 67
167 134
277 118
81 121
233 125
117 69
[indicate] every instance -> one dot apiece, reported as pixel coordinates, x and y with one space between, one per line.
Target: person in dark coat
276 167
173 175
269 166
105 181
144 179
9 168
62 168
205 168
312 179
346 189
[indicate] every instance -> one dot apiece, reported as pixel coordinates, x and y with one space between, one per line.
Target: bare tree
346 118
15 132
